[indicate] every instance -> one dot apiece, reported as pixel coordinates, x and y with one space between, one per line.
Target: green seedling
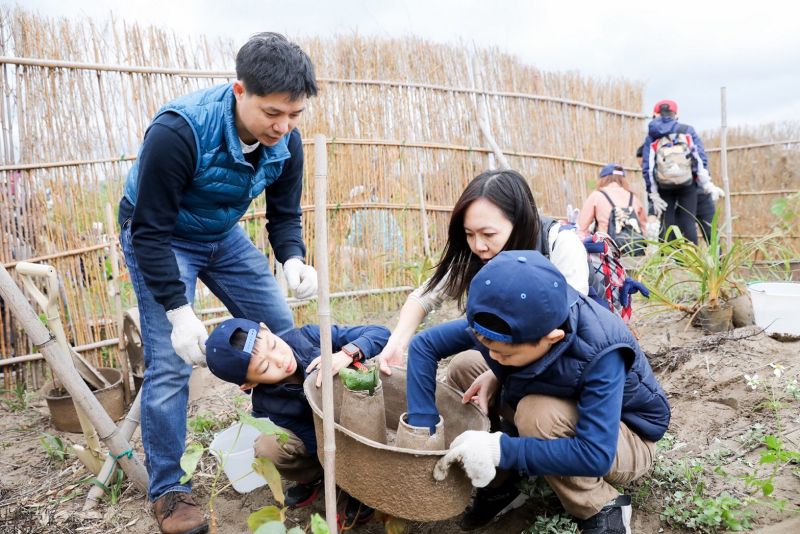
54 446
17 399
556 524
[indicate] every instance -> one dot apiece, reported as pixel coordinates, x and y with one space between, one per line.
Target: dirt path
717 423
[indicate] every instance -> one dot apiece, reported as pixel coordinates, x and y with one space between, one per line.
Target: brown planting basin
399 481
62 407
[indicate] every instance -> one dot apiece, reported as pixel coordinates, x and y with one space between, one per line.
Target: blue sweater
167 162
610 385
285 403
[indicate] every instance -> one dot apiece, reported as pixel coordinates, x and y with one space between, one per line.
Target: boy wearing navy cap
579 401
249 355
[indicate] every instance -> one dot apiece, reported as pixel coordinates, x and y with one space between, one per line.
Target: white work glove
188 335
477 451
301 278
716 192
659 204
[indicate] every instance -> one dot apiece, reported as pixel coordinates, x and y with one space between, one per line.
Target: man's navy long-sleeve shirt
167 163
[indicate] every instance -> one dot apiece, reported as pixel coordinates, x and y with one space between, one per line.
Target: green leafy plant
17 399
707 274
774 453
203 425
54 446
787 210
555 524
113 490
269 519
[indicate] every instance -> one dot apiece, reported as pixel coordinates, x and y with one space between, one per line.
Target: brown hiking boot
177 513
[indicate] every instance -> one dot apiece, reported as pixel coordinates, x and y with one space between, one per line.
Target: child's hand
482 391
339 362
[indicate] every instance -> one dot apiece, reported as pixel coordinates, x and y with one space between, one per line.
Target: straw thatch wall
77 97
763 165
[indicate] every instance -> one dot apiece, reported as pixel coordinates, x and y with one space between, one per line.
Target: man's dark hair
270 63
507 190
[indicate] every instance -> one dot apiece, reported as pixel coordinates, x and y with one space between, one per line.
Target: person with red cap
675 171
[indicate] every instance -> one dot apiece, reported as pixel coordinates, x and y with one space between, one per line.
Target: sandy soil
715 416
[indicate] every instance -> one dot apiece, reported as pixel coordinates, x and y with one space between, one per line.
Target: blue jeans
238 274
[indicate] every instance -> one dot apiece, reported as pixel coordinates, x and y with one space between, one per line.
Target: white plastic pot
776 307
233 447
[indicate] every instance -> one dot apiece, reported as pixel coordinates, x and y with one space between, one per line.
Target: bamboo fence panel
762 167
77 102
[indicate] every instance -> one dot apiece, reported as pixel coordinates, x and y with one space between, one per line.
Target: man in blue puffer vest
204 158
579 403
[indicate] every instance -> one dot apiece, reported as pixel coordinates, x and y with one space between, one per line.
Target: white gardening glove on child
477 451
659 204
301 278
716 192
188 335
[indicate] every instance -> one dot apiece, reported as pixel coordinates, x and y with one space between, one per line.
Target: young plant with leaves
687 276
269 519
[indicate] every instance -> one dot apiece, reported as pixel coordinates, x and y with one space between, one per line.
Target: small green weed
17 399
54 446
556 524
205 424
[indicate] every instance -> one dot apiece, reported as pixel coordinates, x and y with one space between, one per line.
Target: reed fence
763 166
77 95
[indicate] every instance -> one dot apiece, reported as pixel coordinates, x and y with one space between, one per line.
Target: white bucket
234 449
776 307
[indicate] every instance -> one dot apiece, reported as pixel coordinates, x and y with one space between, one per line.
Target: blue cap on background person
523 289
612 168
226 361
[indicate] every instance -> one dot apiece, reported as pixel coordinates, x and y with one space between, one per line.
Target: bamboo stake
81 395
126 429
324 312
483 116
424 214
723 134
115 287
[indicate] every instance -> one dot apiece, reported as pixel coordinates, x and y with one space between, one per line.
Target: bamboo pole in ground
122 355
59 362
324 312
723 135
126 429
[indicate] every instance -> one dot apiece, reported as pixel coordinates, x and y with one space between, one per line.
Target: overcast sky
684 51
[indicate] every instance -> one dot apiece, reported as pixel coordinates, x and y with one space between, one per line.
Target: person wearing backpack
674 170
615 210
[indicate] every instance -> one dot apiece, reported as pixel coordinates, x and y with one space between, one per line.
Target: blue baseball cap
523 289
226 361
612 168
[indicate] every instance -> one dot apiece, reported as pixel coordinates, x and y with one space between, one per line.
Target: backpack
673 159
609 284
607 276
624 228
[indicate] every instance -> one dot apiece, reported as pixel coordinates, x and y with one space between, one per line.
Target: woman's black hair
507 190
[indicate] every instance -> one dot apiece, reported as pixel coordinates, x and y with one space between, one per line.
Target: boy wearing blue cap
249 355
579 401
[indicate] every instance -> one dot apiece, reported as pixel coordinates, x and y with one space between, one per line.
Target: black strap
609 198
630 201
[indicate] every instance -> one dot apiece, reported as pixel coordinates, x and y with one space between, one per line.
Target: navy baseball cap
523 289
223 359
612 168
